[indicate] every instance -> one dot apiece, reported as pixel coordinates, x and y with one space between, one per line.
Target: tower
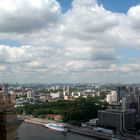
139 106
5 89
68 89
124 104
8 117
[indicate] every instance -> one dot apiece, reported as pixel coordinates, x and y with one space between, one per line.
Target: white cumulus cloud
84 44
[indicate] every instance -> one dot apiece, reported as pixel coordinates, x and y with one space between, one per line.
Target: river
28 131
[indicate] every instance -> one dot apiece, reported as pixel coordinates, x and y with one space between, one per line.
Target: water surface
29 131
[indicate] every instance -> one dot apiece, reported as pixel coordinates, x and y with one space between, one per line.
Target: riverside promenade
82 130
101 135
73 129
30 119
34 121
90 132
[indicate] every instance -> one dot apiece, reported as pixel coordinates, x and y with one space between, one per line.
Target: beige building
8 118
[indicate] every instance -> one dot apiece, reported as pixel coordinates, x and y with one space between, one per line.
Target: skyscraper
5 89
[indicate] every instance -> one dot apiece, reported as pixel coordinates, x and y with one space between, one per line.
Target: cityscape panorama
69 69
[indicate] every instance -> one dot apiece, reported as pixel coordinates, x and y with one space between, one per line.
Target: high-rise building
108 98
121 92
66 90
112 97
5 89
117 119
29 94
124 104
130 102
138 106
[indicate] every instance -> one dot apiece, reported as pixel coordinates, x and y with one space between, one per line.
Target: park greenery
78 110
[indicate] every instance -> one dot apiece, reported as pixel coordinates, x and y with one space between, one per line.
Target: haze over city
70 41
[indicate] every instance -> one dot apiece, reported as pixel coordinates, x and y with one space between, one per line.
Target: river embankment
75 129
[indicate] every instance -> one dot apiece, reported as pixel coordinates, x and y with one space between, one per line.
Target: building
1 87
29 95
55 117
8 118
66 90
108 98
139 106
112 98
117 119
55 95
5 89
121 92
130 102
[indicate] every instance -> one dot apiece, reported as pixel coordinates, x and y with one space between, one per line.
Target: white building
108 98
55 95
66 97
112 97
29 94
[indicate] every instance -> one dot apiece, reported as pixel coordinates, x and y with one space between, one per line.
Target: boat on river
58 127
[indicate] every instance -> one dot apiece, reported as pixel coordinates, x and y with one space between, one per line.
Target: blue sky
65 4
10 42
89 43
121 6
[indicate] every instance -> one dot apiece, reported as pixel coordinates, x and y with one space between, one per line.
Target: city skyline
79 41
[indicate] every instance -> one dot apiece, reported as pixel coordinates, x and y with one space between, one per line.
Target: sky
70 41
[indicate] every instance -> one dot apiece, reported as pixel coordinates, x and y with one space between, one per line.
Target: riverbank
39 121
34 122
90 132
80 130
73 129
